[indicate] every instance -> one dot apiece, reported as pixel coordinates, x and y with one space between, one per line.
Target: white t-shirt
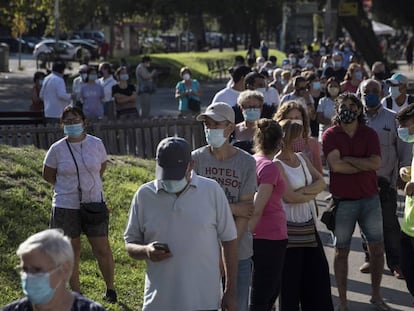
271 97
107 85
90 154
327 106
53 93
192 224
227 95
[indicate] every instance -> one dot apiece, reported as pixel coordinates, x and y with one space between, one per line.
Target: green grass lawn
25 209
196 61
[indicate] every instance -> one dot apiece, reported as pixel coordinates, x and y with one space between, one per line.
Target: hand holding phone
162 247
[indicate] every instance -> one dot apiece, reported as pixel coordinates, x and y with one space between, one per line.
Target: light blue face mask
93 77
404 134
124 76
316 85
83 76
358 75
73 130
215 137
37 287
174 186
337 64
251 114
394 91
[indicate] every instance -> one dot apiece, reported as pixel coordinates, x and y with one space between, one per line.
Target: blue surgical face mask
358 75
215 137
337 64
37 287
371 100
404 134
251 114
261 90
394 91
73 130
93 77
316 85
83 76
174 186
40 82
124 76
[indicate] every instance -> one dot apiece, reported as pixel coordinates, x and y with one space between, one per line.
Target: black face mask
347 115
100 74
379 75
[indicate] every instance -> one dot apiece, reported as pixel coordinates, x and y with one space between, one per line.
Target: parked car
89 45
13 44
64 50
95 35
31 41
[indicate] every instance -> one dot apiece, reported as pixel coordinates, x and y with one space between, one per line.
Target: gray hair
52 243
364 84
247 94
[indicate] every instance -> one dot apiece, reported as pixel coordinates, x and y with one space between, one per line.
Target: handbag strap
77 171
303 169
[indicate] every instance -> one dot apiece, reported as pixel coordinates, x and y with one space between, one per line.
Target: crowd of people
233 224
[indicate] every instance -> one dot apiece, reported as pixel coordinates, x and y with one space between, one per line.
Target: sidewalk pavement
15 95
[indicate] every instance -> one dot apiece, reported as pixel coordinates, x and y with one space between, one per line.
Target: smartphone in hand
162 247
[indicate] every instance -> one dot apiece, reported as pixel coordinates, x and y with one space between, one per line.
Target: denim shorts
367 212
70 222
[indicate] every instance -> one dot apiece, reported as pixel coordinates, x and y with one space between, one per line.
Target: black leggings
268 261
407 260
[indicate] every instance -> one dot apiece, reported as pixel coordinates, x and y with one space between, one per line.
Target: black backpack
389 101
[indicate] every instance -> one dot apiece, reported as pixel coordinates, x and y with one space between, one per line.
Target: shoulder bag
93 213
302 234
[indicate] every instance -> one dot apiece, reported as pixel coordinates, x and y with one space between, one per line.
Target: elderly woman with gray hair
46 263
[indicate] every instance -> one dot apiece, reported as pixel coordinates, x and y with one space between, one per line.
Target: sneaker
110 296
396 271
364 268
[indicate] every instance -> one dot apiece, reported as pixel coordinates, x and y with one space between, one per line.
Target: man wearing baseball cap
235 171
398 97
177 224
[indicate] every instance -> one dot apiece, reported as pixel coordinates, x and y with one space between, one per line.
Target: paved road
15 95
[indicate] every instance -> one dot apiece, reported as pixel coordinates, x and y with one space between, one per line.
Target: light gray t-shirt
192 224
237 177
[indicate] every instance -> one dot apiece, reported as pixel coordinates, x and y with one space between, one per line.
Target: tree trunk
196 26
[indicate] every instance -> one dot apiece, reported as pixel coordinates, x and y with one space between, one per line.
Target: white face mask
186 76
215 137
261 90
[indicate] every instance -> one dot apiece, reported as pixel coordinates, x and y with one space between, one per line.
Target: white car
64 50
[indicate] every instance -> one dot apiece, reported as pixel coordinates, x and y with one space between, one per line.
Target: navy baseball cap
173 156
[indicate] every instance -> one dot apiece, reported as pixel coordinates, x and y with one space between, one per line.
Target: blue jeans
365 211
244 276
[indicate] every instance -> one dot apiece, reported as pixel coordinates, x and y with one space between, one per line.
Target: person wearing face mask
301 94
124 95
315 91
37 102
46 263
398 97
145 85
74 165
326 106
257 81
92 95
178 223
353 78
251 105
53 93
77 83
379 74
186 90
347 52
107 81
353 153
405 118
338 71
394 154
305 277
235 171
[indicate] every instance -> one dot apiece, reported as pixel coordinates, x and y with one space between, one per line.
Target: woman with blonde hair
294 110
305 280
